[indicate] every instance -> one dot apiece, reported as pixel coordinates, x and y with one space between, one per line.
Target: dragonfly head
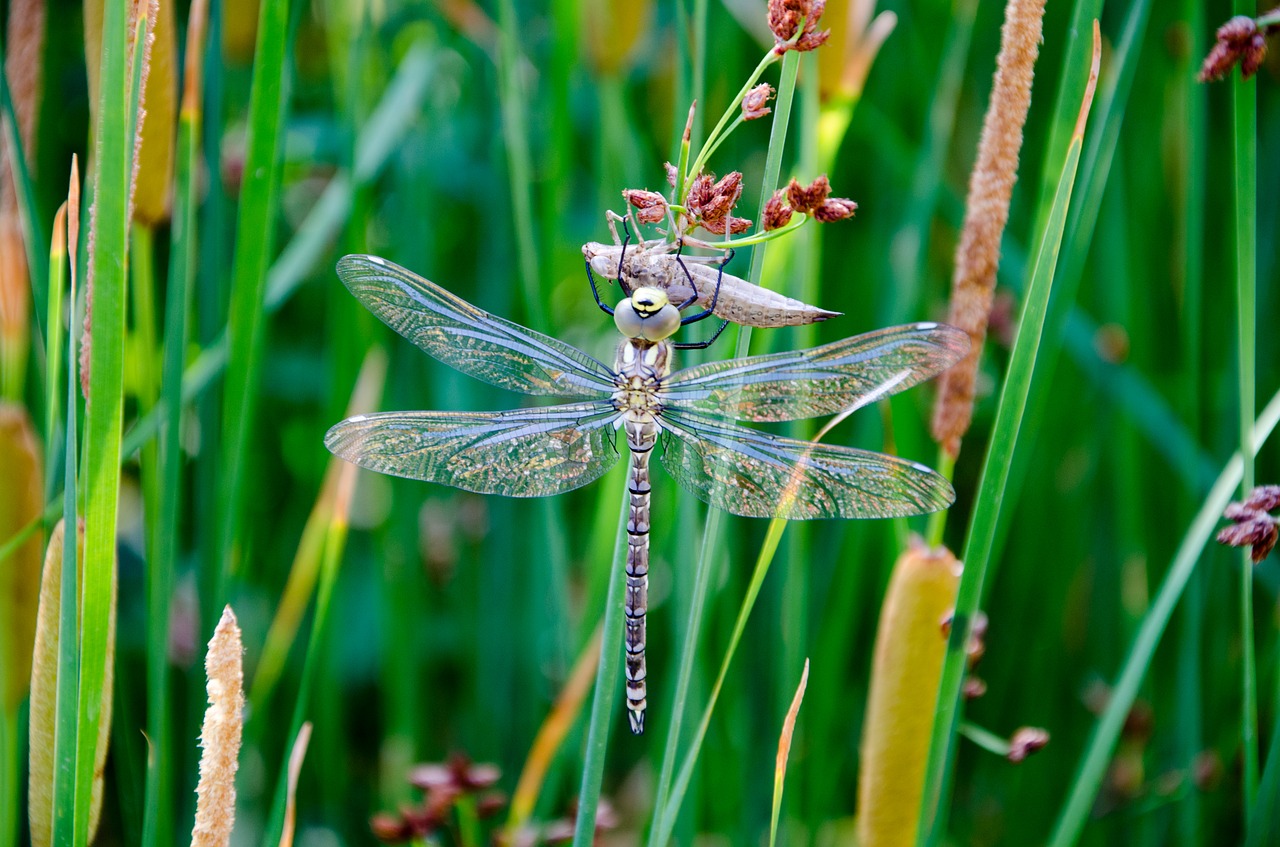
647 314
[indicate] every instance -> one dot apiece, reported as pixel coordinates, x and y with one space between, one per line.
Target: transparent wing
819 381
521 453
473 341
760 475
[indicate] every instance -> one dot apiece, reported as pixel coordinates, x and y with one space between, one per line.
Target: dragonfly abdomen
640 438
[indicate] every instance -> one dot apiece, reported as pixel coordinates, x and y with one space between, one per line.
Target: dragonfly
691 413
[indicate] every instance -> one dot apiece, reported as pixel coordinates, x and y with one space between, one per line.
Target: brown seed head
786 18
807 198
1026 741
777 213
672 173
834 209
753 105
651 207
1238 39
1264 497
729 223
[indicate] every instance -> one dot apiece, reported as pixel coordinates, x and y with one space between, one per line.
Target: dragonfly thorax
647 314
641 367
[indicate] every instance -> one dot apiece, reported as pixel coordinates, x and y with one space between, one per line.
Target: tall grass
480 146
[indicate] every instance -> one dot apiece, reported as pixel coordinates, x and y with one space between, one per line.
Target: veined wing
469 339
520 453
819 381
760 475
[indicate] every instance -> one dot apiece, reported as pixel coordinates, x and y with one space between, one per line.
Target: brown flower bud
700 192
777 213
785 17
729 223
1264 497
753 105
672 173
973 688
1026 741
1254 54
651 207
1238 39
834 209
712 201
808 198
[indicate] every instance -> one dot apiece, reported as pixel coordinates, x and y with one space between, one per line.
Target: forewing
469 339
521 453
819 381
760 475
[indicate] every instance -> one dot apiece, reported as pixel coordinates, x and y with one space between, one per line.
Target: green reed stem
667 800
259 202
1244 119
991 486
606 688
1097 756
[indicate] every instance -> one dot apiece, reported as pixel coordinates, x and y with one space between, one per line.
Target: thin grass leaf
551 736
296 756
1093 764
784 752
995 473
668 796
104 406
1244 131
255 225
158 824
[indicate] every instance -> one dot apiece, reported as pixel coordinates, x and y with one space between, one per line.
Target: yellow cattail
220 736
239 30
44 696
910 645
153 165
21 502
986 212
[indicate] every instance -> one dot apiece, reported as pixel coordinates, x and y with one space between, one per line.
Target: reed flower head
789 17
1026 741
753 105
1240 41
651 207
1252 525
777 213
221 735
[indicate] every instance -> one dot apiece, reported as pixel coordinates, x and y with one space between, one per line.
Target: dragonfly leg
591 278
701 345
622 255
706 313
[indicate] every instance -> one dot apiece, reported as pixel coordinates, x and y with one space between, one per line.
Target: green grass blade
56 338
606 689
1244 128
255 224
668 796
105 403
995 473
1094 763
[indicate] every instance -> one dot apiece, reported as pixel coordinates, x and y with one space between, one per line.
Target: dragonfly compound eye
652 319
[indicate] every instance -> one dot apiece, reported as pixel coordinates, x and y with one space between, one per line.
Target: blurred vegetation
480 145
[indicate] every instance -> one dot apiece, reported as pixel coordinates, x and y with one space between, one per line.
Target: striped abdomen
640 438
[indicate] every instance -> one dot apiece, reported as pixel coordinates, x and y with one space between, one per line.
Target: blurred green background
488 141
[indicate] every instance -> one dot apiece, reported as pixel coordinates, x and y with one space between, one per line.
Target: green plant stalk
105 403
1189 826
157 827
668 797
57 292
146 349
714 139
606 689
68 674
515 134
991 486
1244 120
245 330
1096 759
